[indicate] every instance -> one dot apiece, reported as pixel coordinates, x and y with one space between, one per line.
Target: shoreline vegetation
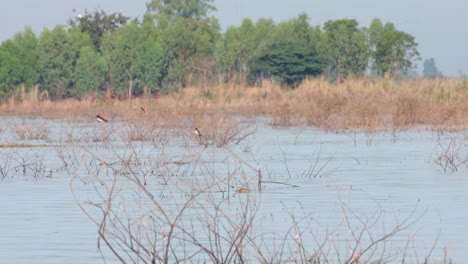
361 104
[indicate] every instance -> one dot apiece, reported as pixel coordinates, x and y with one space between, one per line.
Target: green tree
238 48
289 54
10 69
153 58
289 62
296 30
241 45
108 43
56 59
348 49
394 51
136 60
97 23
27 54
79 39
430 69
173 9
19 63
188 36
125 60
376 31
89 74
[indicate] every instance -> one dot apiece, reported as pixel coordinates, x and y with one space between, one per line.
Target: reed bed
354 104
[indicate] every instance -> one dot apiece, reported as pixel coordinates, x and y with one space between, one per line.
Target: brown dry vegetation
354 104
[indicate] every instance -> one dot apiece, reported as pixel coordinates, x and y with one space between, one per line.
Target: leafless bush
102 134
145 131
137 132
160 227
155 208
31 132
220 130
6 167
318 167
23 163
450 155
66 153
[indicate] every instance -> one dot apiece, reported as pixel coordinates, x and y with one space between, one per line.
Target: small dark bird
143 109
197 132
101 119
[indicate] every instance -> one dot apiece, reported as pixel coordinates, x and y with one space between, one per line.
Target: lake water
319 191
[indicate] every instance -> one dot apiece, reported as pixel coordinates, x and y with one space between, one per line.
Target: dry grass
355 104
220 129
31 132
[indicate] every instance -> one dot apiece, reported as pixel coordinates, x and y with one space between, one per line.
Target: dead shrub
220 129
145 131
139 220
31 132
450 155
136 132
99 134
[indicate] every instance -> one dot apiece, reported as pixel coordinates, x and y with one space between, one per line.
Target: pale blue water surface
322 178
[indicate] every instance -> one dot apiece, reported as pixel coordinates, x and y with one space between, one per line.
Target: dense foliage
178 44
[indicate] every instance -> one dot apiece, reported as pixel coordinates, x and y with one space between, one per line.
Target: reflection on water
323 182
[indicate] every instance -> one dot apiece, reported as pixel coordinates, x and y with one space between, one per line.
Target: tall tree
126 55
394 51
136 60
289 54
56 59
188 34
89 74
376 31
295 30
172 9
348 49
10 69
287 61
19 63
237 48
84 57
97 23
27 54
153 58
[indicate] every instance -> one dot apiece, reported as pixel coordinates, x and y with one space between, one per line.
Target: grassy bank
354 104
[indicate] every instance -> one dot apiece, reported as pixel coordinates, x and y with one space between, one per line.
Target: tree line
178 44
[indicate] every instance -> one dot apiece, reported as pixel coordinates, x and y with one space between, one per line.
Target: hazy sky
440 27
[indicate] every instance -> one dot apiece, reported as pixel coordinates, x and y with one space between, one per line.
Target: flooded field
81 192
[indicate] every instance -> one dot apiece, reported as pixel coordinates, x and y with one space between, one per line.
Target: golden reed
353 104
